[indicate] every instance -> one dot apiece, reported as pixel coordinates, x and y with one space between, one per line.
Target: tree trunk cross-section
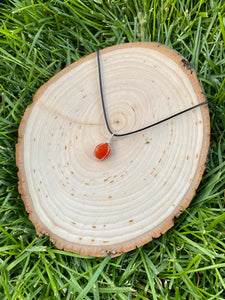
98 208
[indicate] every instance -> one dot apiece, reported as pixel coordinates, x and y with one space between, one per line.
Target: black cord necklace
102 151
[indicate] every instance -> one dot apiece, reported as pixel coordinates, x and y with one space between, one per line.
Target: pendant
103 150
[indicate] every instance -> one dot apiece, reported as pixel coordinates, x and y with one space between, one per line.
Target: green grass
37 39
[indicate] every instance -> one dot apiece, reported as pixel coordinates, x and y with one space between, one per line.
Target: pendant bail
110 139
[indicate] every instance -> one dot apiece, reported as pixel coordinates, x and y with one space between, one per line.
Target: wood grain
93 207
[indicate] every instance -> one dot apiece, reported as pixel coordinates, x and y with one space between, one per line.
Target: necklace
103 150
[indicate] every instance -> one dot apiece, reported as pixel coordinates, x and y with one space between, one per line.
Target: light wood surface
109 207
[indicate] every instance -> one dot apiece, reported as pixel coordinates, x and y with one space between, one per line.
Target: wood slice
97 208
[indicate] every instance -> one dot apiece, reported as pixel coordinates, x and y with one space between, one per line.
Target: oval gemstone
102 151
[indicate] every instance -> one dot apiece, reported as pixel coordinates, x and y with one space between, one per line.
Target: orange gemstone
102 151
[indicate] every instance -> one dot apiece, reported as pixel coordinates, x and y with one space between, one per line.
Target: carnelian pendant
103 150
